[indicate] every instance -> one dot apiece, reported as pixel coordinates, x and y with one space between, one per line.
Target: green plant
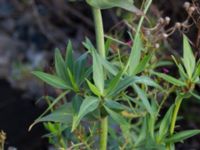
116 90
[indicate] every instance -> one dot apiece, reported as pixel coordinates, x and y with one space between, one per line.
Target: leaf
60 65
76 103
197 72
98 74
165 123
93 88
113 83
80 68
69 56
108 66
170 79
106 4
144 99
61 115
123 84
89 104
195 95
114 105
49 108
143 63
51 80
188 57
146 81
181 136
73 82
116 117
135 55
180 67
142 135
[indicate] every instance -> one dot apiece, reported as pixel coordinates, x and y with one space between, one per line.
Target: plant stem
178 102
100 46
99 31
104 133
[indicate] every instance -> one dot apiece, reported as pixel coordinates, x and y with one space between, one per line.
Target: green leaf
181 136
76 104
197 72
49 108
188 57
60 65
93 88
51 80
135 55
69 56
146 81
144 99
170 79
123 84
61 115
142 64
108 66
89 104
113 83
114 105
106 4
165 123
116 117
98 74
80 68
197 96
73 82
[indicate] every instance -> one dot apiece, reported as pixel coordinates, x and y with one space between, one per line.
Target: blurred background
30 30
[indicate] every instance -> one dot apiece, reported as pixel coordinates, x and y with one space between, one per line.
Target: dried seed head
157 45
186 5
178 25
191 10
161 20
165 35
167 20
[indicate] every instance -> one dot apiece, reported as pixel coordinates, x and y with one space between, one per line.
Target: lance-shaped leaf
52 80
135 55
61 115
170 79
144 99
179 137
89 104
188 57
165 123
124 4
98 75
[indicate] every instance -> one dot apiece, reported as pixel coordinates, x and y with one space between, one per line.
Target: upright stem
104 133
99 31
175 113
178 102
100 46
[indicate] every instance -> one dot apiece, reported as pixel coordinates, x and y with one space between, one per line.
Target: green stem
178 102
99 31
100 46
104 133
